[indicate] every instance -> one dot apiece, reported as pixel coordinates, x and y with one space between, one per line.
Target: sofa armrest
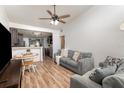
57 53
85 65
114 81
76 82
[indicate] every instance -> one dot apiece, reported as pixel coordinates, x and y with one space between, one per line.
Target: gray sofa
115 80
84 64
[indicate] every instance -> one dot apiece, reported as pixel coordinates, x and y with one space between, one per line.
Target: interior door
62 42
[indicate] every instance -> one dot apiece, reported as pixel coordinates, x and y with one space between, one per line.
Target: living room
86 46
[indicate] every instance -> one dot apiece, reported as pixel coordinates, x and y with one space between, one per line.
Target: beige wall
97 31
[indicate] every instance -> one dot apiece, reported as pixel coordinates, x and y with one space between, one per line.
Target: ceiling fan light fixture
54 18
51 22
56 22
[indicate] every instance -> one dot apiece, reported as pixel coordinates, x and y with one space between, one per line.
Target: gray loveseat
115 80
84 64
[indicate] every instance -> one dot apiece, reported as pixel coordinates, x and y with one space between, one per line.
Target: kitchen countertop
26 48
34 50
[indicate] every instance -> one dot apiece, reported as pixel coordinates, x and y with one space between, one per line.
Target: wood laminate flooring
47 75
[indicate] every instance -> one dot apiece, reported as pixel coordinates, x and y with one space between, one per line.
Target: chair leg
23 70
33 67
29 68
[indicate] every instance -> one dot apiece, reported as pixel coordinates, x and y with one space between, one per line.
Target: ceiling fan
55 19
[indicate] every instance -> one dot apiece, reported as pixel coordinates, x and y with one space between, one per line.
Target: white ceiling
29 14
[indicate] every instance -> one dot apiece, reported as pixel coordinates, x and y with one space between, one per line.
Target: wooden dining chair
28 64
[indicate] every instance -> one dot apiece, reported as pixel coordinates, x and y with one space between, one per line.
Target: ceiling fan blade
49 12
64 16
62 21
45 18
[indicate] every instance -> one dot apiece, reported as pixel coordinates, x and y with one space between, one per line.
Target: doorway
62 42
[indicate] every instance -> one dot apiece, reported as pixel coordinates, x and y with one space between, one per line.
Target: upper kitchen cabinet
17 38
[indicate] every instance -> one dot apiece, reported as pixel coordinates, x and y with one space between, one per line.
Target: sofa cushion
72 63
65 59
69 61
100 73
85 55
70 53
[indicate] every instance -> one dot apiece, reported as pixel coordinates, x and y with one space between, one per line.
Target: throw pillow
112 60
100 73
64 53
76 56
109 60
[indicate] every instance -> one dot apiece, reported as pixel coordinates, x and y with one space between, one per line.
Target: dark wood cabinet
13 76
14 36
48 52
20 40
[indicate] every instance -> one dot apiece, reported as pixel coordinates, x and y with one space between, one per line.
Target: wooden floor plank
47 75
